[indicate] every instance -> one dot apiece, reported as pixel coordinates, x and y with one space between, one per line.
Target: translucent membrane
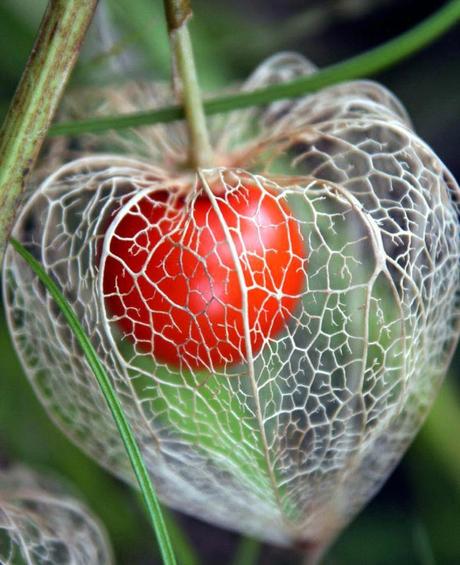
41 524
279 430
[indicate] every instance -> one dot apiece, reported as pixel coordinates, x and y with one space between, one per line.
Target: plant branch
52 59
187 89
366 64
126 433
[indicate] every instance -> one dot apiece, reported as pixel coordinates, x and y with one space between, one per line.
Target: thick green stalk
178 12
43 81
364 65
126 433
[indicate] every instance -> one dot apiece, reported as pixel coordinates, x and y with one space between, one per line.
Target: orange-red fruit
172 282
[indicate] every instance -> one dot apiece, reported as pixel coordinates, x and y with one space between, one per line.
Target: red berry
172 282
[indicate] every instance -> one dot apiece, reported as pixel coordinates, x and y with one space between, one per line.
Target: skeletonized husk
289 444
41 524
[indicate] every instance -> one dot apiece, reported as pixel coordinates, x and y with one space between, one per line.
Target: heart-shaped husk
288 444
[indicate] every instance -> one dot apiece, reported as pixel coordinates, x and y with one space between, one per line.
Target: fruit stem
185 80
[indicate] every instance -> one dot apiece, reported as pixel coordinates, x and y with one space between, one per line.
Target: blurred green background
416 516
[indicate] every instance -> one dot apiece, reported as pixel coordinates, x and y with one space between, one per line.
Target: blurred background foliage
416 516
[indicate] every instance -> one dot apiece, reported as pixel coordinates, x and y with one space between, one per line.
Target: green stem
186 553
247 551
43 81
366 64
126 433
178 12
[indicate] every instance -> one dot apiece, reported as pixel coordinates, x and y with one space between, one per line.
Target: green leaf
362 65
126 433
